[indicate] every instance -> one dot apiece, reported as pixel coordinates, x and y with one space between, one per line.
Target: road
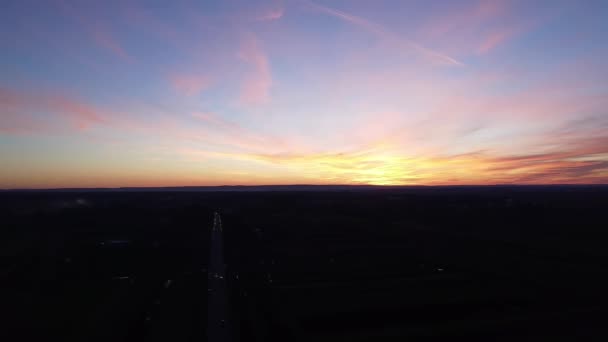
217 310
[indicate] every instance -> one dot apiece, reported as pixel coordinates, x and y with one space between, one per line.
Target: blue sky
152 93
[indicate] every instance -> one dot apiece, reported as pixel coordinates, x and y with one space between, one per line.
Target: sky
387 92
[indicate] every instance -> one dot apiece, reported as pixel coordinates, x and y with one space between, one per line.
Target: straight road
217 310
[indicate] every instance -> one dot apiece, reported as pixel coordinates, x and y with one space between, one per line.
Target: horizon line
193 187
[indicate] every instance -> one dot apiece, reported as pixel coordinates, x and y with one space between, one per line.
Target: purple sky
164 93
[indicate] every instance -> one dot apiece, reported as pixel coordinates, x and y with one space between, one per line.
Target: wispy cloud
232 134
256 87
15 123
105 40
477 28
216 120
16 108
372 167
384 33
189 84
349 115
464 18
583 160
146 20
494 39
100 34
272 14
568 154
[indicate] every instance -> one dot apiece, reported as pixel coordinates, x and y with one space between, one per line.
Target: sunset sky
173 93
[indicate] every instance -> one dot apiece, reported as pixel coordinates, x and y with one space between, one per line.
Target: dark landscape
306 263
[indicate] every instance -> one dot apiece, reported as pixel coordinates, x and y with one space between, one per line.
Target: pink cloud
482 12
17 107
146 21
81 114
256 88
16 124
234 135
100 34
105 40
478 28
273 14
13 120
10 98
495 39
583 159
469 113
384 33
190 85
237 137
218 122
206 116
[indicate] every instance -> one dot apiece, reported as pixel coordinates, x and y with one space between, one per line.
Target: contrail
381 31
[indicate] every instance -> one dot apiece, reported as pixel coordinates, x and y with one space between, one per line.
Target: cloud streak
189 84
100 34
568 157
495 39
384 33
256 86
270 15
17 110
465 18
475 29
236 136
372 168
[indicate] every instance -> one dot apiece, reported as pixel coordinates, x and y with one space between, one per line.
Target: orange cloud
579 159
